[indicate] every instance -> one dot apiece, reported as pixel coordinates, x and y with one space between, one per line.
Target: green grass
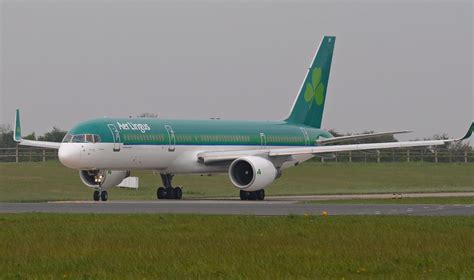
411 200
52 181
234 247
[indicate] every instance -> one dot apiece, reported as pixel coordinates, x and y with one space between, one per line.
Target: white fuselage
180 160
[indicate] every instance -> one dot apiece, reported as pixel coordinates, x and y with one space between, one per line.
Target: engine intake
252 173
104 178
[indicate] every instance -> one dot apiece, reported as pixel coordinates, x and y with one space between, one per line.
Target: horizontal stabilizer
326 141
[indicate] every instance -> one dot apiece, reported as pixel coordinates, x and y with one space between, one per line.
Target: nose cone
70 155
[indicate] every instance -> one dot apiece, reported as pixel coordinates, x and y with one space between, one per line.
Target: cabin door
116 136
305 135
263 141
171 138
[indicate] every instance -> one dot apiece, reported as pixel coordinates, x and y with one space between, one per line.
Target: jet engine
252 173
104 178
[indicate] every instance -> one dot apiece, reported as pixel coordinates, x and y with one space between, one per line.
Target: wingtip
17 132
469 132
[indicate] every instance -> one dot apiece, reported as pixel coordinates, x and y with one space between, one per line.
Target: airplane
252 153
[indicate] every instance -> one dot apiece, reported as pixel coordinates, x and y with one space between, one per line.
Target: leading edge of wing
354 147
216 156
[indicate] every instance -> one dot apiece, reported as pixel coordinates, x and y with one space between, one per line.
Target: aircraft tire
104 196
96 195
260 194
161 193
252 195
169 193
243 195
177 193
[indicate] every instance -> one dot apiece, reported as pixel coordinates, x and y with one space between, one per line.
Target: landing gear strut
256 195
168 192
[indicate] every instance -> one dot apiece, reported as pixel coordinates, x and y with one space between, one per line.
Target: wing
17 137
339 139
209 157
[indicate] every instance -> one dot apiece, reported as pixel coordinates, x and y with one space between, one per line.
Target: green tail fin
17 133
309 104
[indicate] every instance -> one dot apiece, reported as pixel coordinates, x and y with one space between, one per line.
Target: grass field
52 181
56 246
410 200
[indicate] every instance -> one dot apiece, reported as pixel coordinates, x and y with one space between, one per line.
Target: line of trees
6 136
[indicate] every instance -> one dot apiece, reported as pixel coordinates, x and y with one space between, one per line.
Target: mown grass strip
52 181
234 247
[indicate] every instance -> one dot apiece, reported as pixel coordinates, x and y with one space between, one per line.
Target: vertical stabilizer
309 104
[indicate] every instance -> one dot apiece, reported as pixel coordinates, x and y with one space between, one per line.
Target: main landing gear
256 195
100 195
168 192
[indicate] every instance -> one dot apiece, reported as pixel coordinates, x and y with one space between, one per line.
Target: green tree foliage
30 136
6 136
55 135
148 115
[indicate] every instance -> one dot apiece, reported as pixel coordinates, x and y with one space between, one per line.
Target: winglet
469 132
17 133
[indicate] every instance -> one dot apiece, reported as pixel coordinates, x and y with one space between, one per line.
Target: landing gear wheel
177 192
260 194
161 193
243 195
96 195
104 196
252 195
169 193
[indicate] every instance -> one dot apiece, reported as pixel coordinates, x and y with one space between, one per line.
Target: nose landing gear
168 192
101 195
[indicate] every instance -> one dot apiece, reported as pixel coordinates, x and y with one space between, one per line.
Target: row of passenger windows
284 139
81 138
225 138
144 137
210 138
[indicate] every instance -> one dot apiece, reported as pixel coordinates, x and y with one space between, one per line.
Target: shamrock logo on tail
315 89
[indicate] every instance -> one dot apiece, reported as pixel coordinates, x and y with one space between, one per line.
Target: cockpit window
90 138
78 138
81 138
67 138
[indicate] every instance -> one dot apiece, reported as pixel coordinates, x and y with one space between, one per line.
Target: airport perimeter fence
443 155
402 155
27 154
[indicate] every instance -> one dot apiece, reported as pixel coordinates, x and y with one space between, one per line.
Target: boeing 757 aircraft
252 153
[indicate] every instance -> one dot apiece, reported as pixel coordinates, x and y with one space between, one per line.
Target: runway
229 207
